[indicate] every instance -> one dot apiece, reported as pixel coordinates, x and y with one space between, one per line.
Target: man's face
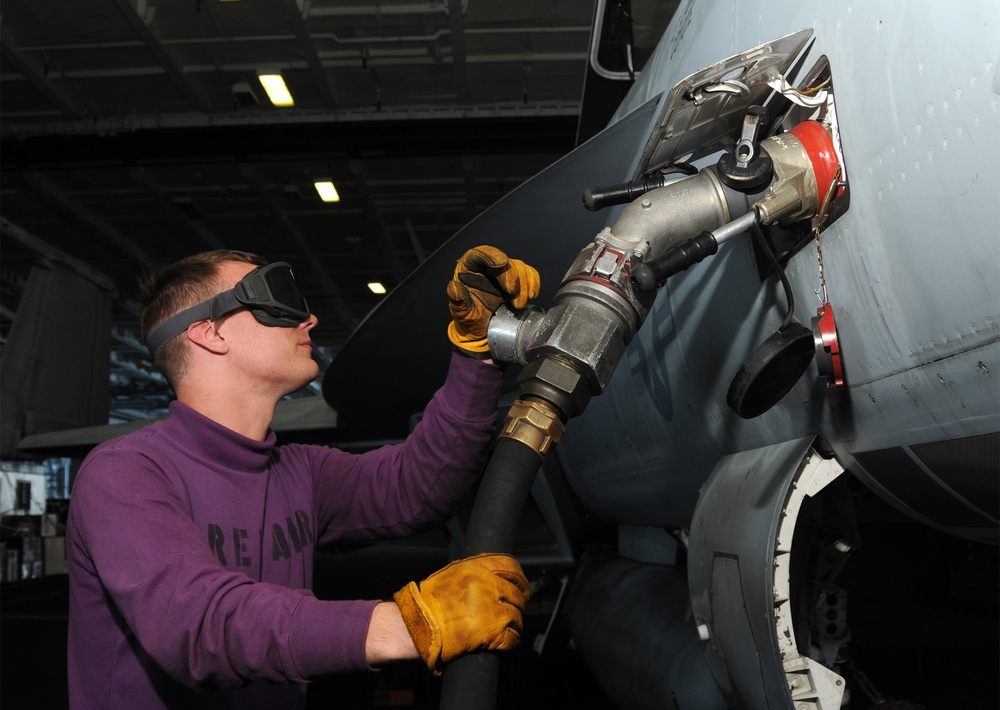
273 359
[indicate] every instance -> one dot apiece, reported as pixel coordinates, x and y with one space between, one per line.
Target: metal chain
821 216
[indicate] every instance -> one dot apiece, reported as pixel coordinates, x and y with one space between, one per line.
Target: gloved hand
484 278
473 604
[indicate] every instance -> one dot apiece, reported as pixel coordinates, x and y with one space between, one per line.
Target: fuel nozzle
570 351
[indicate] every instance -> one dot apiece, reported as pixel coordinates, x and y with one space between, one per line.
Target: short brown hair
173 287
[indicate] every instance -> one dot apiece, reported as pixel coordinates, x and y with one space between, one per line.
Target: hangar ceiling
135 132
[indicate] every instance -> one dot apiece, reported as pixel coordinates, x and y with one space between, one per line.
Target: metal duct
632 624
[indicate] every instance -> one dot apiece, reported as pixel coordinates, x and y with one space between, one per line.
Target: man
191 540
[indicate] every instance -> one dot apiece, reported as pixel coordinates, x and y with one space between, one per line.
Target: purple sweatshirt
191 550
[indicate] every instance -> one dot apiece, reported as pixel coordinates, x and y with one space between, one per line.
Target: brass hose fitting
535 423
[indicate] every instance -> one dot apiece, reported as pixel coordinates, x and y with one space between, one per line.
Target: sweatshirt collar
208 440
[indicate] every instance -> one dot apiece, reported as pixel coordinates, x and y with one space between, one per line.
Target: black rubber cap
771 371
751 178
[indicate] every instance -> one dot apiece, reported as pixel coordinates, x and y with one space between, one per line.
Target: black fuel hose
471 681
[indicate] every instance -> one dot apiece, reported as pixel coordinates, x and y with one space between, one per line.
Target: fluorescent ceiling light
276 90
327 192
376 287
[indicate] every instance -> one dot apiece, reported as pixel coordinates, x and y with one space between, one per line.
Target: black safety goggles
270 292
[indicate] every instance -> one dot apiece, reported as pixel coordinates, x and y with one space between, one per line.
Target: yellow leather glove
484 278
473 604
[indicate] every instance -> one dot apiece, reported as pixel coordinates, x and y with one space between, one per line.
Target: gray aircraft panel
912 268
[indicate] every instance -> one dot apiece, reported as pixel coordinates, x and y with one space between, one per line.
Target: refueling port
810 183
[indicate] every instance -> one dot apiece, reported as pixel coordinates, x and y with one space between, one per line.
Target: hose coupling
534 423
510 331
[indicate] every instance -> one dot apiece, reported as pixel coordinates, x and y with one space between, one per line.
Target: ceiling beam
375 220
163 58
308 48
36 75
52 253
418 248
156 191
82 215
469 180
458 54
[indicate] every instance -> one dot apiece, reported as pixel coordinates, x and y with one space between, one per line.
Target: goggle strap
224 303
173 326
